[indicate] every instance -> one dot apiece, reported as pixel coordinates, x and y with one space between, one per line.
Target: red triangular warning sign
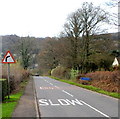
8 58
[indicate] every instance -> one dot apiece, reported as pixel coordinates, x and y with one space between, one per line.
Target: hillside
9 42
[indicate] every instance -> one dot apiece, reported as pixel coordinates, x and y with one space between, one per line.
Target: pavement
61 100
26 105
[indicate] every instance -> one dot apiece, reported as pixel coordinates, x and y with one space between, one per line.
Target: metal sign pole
8 80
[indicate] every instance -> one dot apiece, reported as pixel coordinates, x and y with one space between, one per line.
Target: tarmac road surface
59 99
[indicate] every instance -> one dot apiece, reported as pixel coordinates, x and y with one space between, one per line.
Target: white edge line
94 109
67 93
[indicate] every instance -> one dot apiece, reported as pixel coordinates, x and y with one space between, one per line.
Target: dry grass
61 72
106 80
17 75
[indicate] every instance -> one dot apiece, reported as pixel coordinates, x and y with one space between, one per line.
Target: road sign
115 63
8 58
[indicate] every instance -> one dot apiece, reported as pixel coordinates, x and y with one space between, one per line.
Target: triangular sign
115 63
8 58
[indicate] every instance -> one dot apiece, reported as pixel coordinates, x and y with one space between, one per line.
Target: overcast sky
40 18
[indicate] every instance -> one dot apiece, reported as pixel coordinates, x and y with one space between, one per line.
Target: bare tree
114 19
83 23
91 17
73 29
47 58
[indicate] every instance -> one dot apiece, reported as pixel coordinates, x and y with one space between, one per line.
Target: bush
106 80
3 82
12 84
73 73
61 72
17 75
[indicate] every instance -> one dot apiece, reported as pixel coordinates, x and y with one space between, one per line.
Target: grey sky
40 18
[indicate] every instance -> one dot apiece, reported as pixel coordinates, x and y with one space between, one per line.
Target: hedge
3 83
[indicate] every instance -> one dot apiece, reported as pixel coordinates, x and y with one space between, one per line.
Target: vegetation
82 49
17 75
80 46
115 95
3 82
8 105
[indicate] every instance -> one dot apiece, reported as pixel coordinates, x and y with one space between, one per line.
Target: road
59 99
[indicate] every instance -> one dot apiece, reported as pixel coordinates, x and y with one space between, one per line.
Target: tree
114 5
47 58
83 24
91 18
72 30
25 50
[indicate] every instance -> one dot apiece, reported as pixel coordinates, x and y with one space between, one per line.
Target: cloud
39 18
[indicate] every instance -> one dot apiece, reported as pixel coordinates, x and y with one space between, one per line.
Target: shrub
73 73
61 72
105 80
12 84
3 82
17 75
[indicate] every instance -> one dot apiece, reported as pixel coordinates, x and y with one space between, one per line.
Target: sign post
8 58
8 80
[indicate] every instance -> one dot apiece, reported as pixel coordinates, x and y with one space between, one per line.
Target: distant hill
112 36
8 41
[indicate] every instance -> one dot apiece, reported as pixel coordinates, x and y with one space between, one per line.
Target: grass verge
89 87
8 105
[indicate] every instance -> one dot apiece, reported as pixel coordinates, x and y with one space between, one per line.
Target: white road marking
63 102
51 84
74 102
53 104
59 102
56 86
45 103
47 88
67 93
94 109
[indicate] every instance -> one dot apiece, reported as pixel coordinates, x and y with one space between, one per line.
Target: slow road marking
68 102
62 102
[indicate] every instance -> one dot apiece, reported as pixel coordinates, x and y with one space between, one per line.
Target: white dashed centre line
51 84
67 93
